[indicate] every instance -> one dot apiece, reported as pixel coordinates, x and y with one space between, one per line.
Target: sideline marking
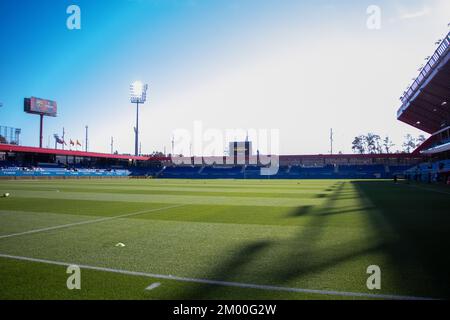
87 222
223 283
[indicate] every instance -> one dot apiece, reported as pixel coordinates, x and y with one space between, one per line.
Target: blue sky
297 66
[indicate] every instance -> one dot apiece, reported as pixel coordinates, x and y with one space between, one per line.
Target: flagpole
64 133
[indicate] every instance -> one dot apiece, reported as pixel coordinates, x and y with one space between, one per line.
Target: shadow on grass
288 259
415 226
304 211
300 211
411 228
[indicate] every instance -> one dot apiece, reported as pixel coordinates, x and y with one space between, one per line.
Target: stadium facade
19 161
426 106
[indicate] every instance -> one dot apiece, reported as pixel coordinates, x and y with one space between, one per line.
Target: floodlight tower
138 94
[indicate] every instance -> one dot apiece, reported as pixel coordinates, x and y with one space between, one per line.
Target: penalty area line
88 222
221 283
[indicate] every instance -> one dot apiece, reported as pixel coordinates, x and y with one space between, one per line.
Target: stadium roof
15 148
438 149
219 159
352 156
35 150
426 104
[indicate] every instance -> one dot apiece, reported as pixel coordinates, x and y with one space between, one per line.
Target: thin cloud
417 14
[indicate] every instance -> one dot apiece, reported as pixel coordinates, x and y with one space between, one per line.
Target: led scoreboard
40 106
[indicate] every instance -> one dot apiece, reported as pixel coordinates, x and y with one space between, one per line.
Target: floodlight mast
41 129
138 94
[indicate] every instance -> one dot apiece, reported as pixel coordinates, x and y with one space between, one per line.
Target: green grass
306 234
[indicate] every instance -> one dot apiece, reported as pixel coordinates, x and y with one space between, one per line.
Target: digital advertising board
40 106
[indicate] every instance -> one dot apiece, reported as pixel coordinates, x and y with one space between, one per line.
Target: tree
409 144
372 140
358 145
378 144
388 144
420 139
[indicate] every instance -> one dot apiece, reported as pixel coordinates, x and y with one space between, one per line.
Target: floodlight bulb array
138 92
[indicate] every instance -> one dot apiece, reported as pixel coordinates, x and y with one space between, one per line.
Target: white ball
6 195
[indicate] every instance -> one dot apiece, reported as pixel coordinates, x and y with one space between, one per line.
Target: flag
78 143
59 140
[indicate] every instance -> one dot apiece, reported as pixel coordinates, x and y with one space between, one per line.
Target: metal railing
440 52
9 135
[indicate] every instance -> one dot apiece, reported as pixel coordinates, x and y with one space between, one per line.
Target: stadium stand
61 172
438 171
180 172
426 106
367 171
18 161
224 172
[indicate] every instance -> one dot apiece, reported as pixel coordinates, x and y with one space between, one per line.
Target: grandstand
20 162
25 162
426 106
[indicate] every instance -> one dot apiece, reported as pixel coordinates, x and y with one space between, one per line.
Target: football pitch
223 239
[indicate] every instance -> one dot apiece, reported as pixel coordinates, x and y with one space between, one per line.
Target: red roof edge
15 148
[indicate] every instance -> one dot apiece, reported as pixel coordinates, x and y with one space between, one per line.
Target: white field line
427 189
153 286
221 283
87 222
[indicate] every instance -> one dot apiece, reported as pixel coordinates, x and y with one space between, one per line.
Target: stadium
241 224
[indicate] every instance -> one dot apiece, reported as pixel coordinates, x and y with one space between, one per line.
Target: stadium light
138 94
